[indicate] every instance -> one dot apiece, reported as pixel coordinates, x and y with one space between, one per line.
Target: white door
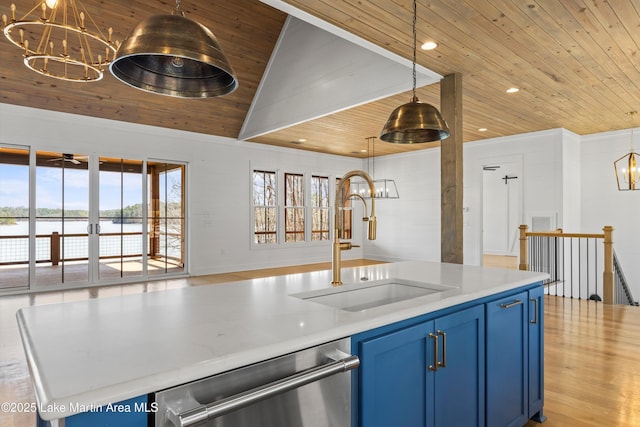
502 182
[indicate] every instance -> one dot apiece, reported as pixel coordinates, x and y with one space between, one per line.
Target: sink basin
357 297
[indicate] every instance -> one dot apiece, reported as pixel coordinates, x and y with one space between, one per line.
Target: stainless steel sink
357 297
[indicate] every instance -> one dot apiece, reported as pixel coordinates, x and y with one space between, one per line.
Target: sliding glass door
121 218
14 218
61 219
166 183
75 219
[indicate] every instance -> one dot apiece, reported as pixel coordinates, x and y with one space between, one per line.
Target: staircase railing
623 292
578 265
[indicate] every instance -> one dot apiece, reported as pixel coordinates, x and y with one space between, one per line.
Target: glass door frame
93 219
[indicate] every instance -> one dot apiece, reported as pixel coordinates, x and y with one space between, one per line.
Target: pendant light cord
632 114
415 13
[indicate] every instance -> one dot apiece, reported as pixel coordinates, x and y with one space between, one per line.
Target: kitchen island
99 352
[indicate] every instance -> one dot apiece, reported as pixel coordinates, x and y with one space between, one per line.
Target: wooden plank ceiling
575 62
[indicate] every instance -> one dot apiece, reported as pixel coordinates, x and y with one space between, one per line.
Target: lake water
70 227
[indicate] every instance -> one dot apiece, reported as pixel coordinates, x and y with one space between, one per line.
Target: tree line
128 214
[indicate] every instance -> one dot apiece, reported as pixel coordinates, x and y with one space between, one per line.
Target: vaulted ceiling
575 62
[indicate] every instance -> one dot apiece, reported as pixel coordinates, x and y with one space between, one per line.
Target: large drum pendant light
175 56
415 121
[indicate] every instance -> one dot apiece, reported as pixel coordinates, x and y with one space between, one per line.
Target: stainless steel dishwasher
310 388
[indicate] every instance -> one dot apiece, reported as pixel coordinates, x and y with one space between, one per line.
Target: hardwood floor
592 351
592 363
500 261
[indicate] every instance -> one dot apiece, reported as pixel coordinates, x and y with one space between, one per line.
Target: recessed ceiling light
513 90
430 45
482 129
364 150
302 140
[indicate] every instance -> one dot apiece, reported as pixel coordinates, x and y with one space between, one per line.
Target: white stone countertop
90 353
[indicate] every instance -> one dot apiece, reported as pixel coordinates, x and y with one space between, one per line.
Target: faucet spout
341 199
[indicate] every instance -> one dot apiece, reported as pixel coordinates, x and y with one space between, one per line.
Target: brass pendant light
627 167
415 121
175 56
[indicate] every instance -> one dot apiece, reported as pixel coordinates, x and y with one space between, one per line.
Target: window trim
280 198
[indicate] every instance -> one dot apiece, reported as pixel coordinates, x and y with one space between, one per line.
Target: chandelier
384 188
626 167
59 39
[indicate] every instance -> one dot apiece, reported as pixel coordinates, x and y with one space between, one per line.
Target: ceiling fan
67 157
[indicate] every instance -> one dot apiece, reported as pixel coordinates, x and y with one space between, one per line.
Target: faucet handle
372 228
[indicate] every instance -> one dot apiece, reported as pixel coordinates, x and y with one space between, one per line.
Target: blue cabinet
422 375
536 354
507 361
127 413
476 364
515 363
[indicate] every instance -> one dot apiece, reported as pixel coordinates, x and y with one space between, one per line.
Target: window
320 208
264 206
293 207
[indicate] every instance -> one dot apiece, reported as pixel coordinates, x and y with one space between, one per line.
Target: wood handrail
606 236
561 234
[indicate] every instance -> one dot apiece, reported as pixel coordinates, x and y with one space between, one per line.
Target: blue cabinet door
536 355
507 361
393 378
457 388
400 385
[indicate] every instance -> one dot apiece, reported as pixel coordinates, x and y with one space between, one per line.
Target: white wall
572 173
219 179
564 175
603 204
540 154
409 227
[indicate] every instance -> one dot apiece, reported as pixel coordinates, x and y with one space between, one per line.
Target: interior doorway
501 205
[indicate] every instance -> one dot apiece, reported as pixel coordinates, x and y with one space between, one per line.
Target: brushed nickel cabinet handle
434 367
511 304
535 311
444 349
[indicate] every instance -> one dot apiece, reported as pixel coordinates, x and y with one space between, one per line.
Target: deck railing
580 265
54 248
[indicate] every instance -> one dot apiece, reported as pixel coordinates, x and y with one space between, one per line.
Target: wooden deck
592 351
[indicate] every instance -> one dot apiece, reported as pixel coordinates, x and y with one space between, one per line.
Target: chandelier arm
46 34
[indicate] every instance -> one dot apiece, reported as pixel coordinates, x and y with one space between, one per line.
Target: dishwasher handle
203 413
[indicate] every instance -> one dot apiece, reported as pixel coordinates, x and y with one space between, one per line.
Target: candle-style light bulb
46 61
51 48
26 48
82 21
64 47
44 11
51 4
4 19
13 11
21 32
110 34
